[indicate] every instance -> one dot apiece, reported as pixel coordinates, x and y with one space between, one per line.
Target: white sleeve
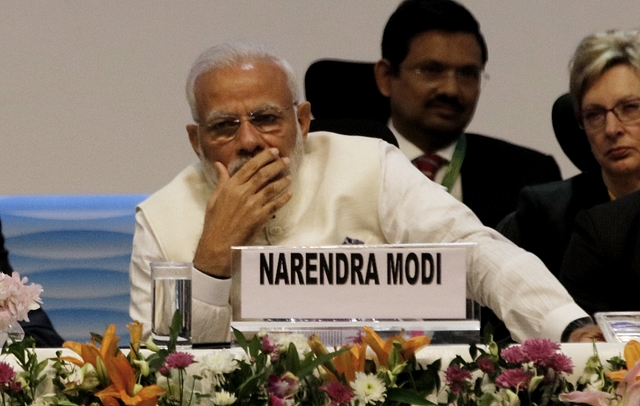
211 311
515 284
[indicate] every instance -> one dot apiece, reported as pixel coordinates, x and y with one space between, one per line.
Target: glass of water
171 292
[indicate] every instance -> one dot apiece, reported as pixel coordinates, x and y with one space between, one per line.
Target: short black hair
413 17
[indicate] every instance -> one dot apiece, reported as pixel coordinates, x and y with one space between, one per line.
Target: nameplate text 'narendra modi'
351 281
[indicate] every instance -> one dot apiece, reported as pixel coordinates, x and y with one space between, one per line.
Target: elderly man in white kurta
262 179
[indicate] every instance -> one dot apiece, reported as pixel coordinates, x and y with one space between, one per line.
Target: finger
274 189
223 178
222 170
270 173
256 163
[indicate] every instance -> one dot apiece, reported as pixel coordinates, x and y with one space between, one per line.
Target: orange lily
383 348
135 332
631 356
95 356
349 362
124 387
89 352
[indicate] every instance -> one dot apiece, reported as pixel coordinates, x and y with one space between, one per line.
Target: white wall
92 92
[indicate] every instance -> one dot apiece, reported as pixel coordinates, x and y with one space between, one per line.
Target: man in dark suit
432 67
601 267
39 325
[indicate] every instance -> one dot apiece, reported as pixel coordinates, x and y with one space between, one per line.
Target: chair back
341 89
572 139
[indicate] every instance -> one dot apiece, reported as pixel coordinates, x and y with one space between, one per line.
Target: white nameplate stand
333 291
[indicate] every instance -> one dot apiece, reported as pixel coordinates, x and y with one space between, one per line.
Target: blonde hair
599 52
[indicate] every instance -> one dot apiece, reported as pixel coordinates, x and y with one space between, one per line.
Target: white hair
227 55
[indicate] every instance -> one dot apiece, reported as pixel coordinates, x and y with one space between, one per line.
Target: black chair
345 99
354 126
340 89
572 139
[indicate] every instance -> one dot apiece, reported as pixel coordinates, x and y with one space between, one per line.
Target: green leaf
249 387
407 396
473 351
174 331
394 355
292 359
240 339
307 368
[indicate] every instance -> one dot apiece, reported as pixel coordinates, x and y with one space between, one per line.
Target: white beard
213 176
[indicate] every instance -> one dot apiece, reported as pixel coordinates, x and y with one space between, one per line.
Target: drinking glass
171 293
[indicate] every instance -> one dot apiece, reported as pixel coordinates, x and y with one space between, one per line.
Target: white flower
505 397
487 386
223 398
594 384
218 363
368 388
17 298
300 341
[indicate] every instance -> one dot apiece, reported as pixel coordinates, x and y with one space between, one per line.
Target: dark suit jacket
601 268
493 173
545 214
39 325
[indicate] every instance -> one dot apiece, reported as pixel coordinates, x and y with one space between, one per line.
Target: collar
412 151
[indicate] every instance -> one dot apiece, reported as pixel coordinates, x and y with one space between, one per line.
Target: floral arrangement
17 299
290 369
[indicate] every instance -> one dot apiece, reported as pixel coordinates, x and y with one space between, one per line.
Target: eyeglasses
266 120
435 73
626 111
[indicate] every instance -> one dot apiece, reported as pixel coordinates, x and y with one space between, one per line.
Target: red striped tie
429 164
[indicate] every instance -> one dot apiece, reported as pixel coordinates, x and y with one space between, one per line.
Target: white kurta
360 188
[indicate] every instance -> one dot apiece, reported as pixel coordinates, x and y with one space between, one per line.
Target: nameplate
350 282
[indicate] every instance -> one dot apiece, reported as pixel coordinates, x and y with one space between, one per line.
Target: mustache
245 156
446 101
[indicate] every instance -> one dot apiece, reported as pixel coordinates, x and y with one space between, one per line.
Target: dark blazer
39 325
601 267
493 173
545 214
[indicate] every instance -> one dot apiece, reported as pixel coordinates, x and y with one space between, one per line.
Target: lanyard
456 163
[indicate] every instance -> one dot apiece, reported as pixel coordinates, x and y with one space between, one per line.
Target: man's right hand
240 207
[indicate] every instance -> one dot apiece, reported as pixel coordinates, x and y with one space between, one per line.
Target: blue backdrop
78 248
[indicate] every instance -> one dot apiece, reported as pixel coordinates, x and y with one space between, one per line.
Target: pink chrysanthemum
539 349
15 386
339 394
514 355
514 378
7 374
559 363
486 365
164 371
457 378
179 360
